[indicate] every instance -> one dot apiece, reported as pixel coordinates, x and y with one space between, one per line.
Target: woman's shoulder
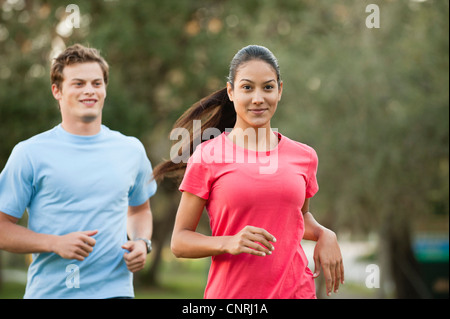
203 150
296 146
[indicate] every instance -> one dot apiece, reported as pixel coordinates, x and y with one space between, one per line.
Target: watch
147 242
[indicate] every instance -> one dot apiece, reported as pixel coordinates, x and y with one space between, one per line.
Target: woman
255 184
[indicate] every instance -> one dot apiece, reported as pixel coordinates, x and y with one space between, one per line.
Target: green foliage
373 102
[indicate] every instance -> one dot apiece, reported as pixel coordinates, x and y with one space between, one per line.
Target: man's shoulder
36 141
119 137
124 143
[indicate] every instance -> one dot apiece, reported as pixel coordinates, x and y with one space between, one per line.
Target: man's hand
135 259
77 245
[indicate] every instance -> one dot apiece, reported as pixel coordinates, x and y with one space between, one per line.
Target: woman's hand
187 243
327 255
250 240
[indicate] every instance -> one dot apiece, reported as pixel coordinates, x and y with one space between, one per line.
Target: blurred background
373 102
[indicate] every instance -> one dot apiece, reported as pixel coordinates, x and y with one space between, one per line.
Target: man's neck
82 128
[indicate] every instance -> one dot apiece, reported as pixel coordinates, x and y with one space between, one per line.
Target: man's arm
139 225
17 239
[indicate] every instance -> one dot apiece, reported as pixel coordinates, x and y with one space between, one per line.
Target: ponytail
214 111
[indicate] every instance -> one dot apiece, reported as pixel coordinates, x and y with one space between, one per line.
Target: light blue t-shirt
70 183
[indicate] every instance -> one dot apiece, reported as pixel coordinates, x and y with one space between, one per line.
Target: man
85 187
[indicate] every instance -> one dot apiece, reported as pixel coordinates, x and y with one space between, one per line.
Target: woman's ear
230 91
280 91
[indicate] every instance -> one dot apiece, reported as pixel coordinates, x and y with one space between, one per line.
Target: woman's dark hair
214 111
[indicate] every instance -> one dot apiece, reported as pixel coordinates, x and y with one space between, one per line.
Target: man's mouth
89 102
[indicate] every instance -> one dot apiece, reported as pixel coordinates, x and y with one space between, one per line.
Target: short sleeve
312 186
197 178
145 185
16 183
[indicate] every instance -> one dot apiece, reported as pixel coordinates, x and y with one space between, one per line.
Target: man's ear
56 92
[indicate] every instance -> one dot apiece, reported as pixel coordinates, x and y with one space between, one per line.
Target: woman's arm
187 243
327 254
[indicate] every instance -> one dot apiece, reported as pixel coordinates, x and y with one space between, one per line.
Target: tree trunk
404 267
162 230
1 272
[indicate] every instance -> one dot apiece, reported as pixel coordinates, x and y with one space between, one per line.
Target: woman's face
255 94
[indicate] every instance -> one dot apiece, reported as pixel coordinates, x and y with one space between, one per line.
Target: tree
372 102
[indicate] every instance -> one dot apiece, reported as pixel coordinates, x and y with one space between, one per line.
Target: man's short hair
76 53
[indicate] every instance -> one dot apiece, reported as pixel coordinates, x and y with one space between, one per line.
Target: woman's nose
257 98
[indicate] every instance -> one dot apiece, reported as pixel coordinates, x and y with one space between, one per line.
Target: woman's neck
255 139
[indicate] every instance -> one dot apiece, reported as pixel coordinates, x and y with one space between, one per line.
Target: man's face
82 93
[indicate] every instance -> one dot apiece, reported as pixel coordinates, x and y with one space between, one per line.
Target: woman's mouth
257 111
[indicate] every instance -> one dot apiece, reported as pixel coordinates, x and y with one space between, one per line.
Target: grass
186 279
178 279
181 279
12 290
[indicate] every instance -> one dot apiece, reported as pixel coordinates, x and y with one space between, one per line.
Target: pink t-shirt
261 189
